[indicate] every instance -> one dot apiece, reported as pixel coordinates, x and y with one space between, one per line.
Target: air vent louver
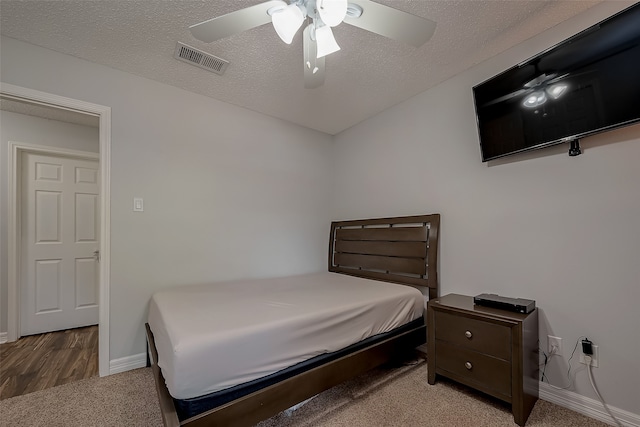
200 59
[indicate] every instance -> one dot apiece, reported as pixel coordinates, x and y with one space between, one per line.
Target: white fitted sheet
212 337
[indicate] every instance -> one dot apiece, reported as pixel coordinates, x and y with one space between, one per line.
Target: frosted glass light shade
325 42
535 99
332 12
287 21
556 91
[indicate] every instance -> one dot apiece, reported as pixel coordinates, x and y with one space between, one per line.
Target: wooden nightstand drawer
474 369
478 335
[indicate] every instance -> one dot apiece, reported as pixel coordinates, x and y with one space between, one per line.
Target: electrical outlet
594 356
554 343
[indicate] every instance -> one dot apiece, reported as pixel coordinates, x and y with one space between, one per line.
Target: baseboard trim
3 337
568 399
127 363
586 406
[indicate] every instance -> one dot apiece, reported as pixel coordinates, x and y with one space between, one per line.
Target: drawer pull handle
468 334
468 365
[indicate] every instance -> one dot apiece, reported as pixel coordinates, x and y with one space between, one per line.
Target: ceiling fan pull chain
315 56
315 63
306 59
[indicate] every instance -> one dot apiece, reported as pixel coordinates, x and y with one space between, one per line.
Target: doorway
103 114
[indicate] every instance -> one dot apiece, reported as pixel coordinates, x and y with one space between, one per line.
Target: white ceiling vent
200 59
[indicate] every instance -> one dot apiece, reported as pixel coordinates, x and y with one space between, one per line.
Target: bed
216 363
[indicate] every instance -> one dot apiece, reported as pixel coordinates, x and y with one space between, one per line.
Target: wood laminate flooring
38 362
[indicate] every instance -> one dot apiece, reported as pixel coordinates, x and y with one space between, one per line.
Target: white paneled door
60 242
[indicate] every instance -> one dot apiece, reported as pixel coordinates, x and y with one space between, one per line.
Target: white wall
562 231
228 193
25 129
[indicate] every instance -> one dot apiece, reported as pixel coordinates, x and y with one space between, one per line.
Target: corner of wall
127 363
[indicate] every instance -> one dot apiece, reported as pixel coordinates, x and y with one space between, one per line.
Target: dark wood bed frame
400 250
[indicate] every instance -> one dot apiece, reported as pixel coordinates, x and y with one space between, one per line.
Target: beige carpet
397 396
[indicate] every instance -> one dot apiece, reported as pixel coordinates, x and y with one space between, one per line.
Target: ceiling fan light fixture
332 12
286 21
534 100
354 11
325 41
557 90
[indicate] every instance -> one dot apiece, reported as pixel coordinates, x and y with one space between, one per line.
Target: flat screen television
587 84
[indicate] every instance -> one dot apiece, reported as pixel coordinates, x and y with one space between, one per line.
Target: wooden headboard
399 250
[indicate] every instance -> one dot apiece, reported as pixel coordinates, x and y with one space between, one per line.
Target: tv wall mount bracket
574 149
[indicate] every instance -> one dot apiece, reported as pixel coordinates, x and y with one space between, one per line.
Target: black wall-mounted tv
587 84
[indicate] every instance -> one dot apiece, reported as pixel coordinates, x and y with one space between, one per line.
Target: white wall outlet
594 356
554 345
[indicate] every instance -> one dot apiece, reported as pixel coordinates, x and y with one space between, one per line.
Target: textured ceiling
370 73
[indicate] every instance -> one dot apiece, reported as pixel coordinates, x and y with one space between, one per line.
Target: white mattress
212 337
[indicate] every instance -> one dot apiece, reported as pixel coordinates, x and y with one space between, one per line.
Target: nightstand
491 350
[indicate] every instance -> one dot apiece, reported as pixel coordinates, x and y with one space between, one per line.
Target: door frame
15 151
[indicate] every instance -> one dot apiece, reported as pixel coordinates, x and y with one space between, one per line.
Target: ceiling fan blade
569 76
392 23
557 79
542 78
508 96
234 22
312 79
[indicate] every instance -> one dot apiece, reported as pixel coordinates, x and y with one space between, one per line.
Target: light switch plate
138 204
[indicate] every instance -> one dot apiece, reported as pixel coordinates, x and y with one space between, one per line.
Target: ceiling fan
321 16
